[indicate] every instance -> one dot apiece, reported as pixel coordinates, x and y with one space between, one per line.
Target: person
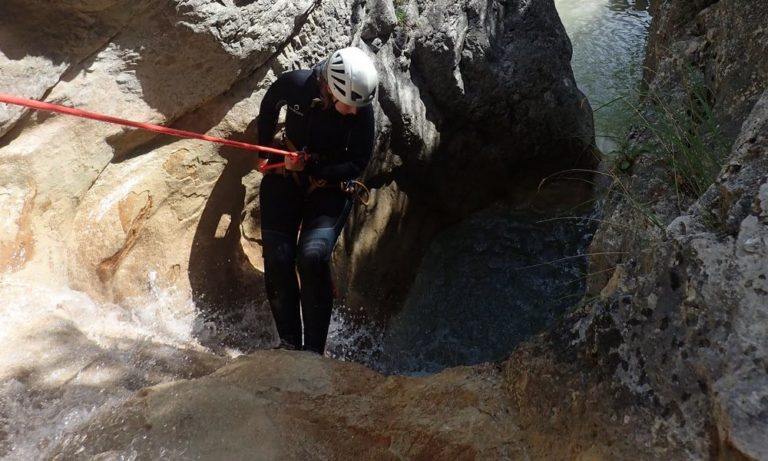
304 204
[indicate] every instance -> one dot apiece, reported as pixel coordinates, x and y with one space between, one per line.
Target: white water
63 356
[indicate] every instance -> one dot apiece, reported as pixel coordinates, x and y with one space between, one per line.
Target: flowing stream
608 38
484 286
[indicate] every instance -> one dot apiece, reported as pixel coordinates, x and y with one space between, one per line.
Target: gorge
133 315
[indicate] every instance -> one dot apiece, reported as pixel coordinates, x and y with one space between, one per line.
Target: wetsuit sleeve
360 147
274 99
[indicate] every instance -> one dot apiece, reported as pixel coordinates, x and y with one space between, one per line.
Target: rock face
287 405
682 322
679 320
721 39
115 212
113 208
478 69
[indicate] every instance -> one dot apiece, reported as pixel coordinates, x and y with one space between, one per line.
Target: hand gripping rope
48 107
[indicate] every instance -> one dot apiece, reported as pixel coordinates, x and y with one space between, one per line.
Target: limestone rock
289 405
484 89
17 195
115 207
87 178
678 324
723 41
381 20
294 405
476 114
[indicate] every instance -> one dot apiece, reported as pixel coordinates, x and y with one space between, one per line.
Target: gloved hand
294 163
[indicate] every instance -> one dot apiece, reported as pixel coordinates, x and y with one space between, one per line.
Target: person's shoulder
297 77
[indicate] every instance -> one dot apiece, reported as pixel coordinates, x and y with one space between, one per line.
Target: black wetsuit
300 227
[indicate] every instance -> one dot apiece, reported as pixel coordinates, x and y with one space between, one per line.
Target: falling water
64 355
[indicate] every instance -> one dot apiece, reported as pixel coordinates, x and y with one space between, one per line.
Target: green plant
616 187
626 151
400 11
681 131
685 134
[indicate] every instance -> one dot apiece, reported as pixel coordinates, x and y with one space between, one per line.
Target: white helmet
352 77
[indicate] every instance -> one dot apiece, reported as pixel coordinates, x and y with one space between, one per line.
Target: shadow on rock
226 288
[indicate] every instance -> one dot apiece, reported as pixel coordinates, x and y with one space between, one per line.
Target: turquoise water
608 38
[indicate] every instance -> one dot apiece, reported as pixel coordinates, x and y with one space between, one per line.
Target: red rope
48 107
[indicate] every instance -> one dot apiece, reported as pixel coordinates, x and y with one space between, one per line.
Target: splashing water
63 356
353 341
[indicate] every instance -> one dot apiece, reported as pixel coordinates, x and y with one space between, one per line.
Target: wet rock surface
297 405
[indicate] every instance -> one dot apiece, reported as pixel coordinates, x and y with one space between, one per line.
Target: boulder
290 405
475 114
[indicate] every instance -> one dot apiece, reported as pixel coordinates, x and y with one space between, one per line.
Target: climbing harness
49 107
358 190
351 187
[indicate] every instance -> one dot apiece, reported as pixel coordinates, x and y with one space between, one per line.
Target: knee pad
314 254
